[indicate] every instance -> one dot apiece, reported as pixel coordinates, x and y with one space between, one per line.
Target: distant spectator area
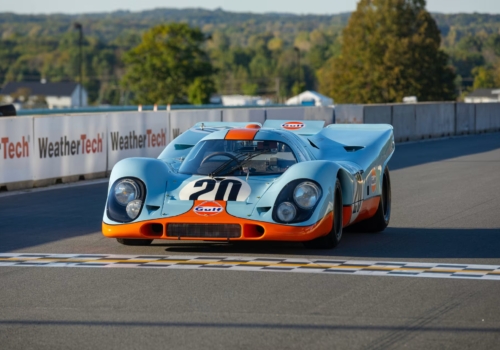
44 95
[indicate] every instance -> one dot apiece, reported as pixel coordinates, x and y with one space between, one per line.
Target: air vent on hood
353 148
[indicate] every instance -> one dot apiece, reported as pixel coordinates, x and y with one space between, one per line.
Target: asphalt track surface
446 210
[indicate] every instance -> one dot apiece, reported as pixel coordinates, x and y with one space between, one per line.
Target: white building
483 96
243 100
56 95
310 98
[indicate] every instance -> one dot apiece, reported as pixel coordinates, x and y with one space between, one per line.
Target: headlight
134 208
126 191
286 211
306 195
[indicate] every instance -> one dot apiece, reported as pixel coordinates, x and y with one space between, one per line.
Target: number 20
221 191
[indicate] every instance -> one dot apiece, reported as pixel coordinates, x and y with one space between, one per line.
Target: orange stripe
347 213
241 134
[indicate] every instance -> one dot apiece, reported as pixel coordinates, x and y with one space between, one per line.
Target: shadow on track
36 218
394 243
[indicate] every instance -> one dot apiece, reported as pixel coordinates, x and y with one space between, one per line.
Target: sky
257 6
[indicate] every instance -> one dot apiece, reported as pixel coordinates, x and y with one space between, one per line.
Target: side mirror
8 111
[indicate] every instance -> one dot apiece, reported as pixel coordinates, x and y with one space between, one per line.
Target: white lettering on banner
65 147
12 149
134 141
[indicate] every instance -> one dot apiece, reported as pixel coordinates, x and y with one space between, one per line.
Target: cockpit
238 158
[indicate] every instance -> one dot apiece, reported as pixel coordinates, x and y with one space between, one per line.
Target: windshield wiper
226 163
240 164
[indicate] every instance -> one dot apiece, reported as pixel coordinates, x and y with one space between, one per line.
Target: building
37 94
242 100
310 98
483 96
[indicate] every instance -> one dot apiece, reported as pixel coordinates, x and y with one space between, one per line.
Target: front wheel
332 239
135 242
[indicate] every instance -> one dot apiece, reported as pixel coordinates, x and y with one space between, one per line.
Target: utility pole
296 49
278 90
79 27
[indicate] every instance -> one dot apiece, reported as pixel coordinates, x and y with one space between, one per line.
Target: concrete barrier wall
465 118
320 113
377 114
434 120
298 113
404 122
349 114
256 115
487 117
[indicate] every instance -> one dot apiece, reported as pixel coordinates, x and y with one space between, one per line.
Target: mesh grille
204 230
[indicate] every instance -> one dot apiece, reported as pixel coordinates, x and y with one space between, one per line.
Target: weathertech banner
69 145
16 149
143 134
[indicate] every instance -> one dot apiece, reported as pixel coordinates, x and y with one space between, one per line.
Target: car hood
240 194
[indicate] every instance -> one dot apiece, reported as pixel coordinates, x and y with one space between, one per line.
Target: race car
293 180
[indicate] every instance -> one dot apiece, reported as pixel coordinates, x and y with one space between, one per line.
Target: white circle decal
220 189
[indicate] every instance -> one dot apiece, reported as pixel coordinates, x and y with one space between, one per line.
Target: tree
169 66
484 78
391 49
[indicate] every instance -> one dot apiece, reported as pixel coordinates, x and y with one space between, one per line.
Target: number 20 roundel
227 189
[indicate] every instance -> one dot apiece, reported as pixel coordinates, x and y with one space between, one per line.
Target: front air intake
204 230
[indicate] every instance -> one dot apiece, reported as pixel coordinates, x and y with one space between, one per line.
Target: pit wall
44 150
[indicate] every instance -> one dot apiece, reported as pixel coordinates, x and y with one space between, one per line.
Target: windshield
238 158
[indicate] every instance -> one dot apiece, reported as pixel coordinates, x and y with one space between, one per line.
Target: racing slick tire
332 239
135 242
380 220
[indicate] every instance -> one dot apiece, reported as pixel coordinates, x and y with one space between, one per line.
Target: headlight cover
306 195
126 191
286 212
134 209
126 199
298 192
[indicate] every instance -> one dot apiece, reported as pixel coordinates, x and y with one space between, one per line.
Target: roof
492 93
37 88
320 100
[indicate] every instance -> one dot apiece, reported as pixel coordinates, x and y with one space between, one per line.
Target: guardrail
43 150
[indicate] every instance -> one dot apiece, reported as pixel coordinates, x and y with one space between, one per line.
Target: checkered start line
353 267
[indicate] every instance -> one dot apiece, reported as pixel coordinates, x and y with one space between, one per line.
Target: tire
136 242
332 239
380 220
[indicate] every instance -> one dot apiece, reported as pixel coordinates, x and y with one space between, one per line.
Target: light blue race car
281 181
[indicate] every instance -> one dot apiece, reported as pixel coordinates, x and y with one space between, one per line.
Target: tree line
276 55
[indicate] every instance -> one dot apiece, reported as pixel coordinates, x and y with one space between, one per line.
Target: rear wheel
126 241
332 239
380 220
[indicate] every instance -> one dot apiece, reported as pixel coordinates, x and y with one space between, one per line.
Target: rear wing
300 127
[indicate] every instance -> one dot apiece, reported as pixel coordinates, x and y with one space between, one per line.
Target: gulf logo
292 125
208 208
